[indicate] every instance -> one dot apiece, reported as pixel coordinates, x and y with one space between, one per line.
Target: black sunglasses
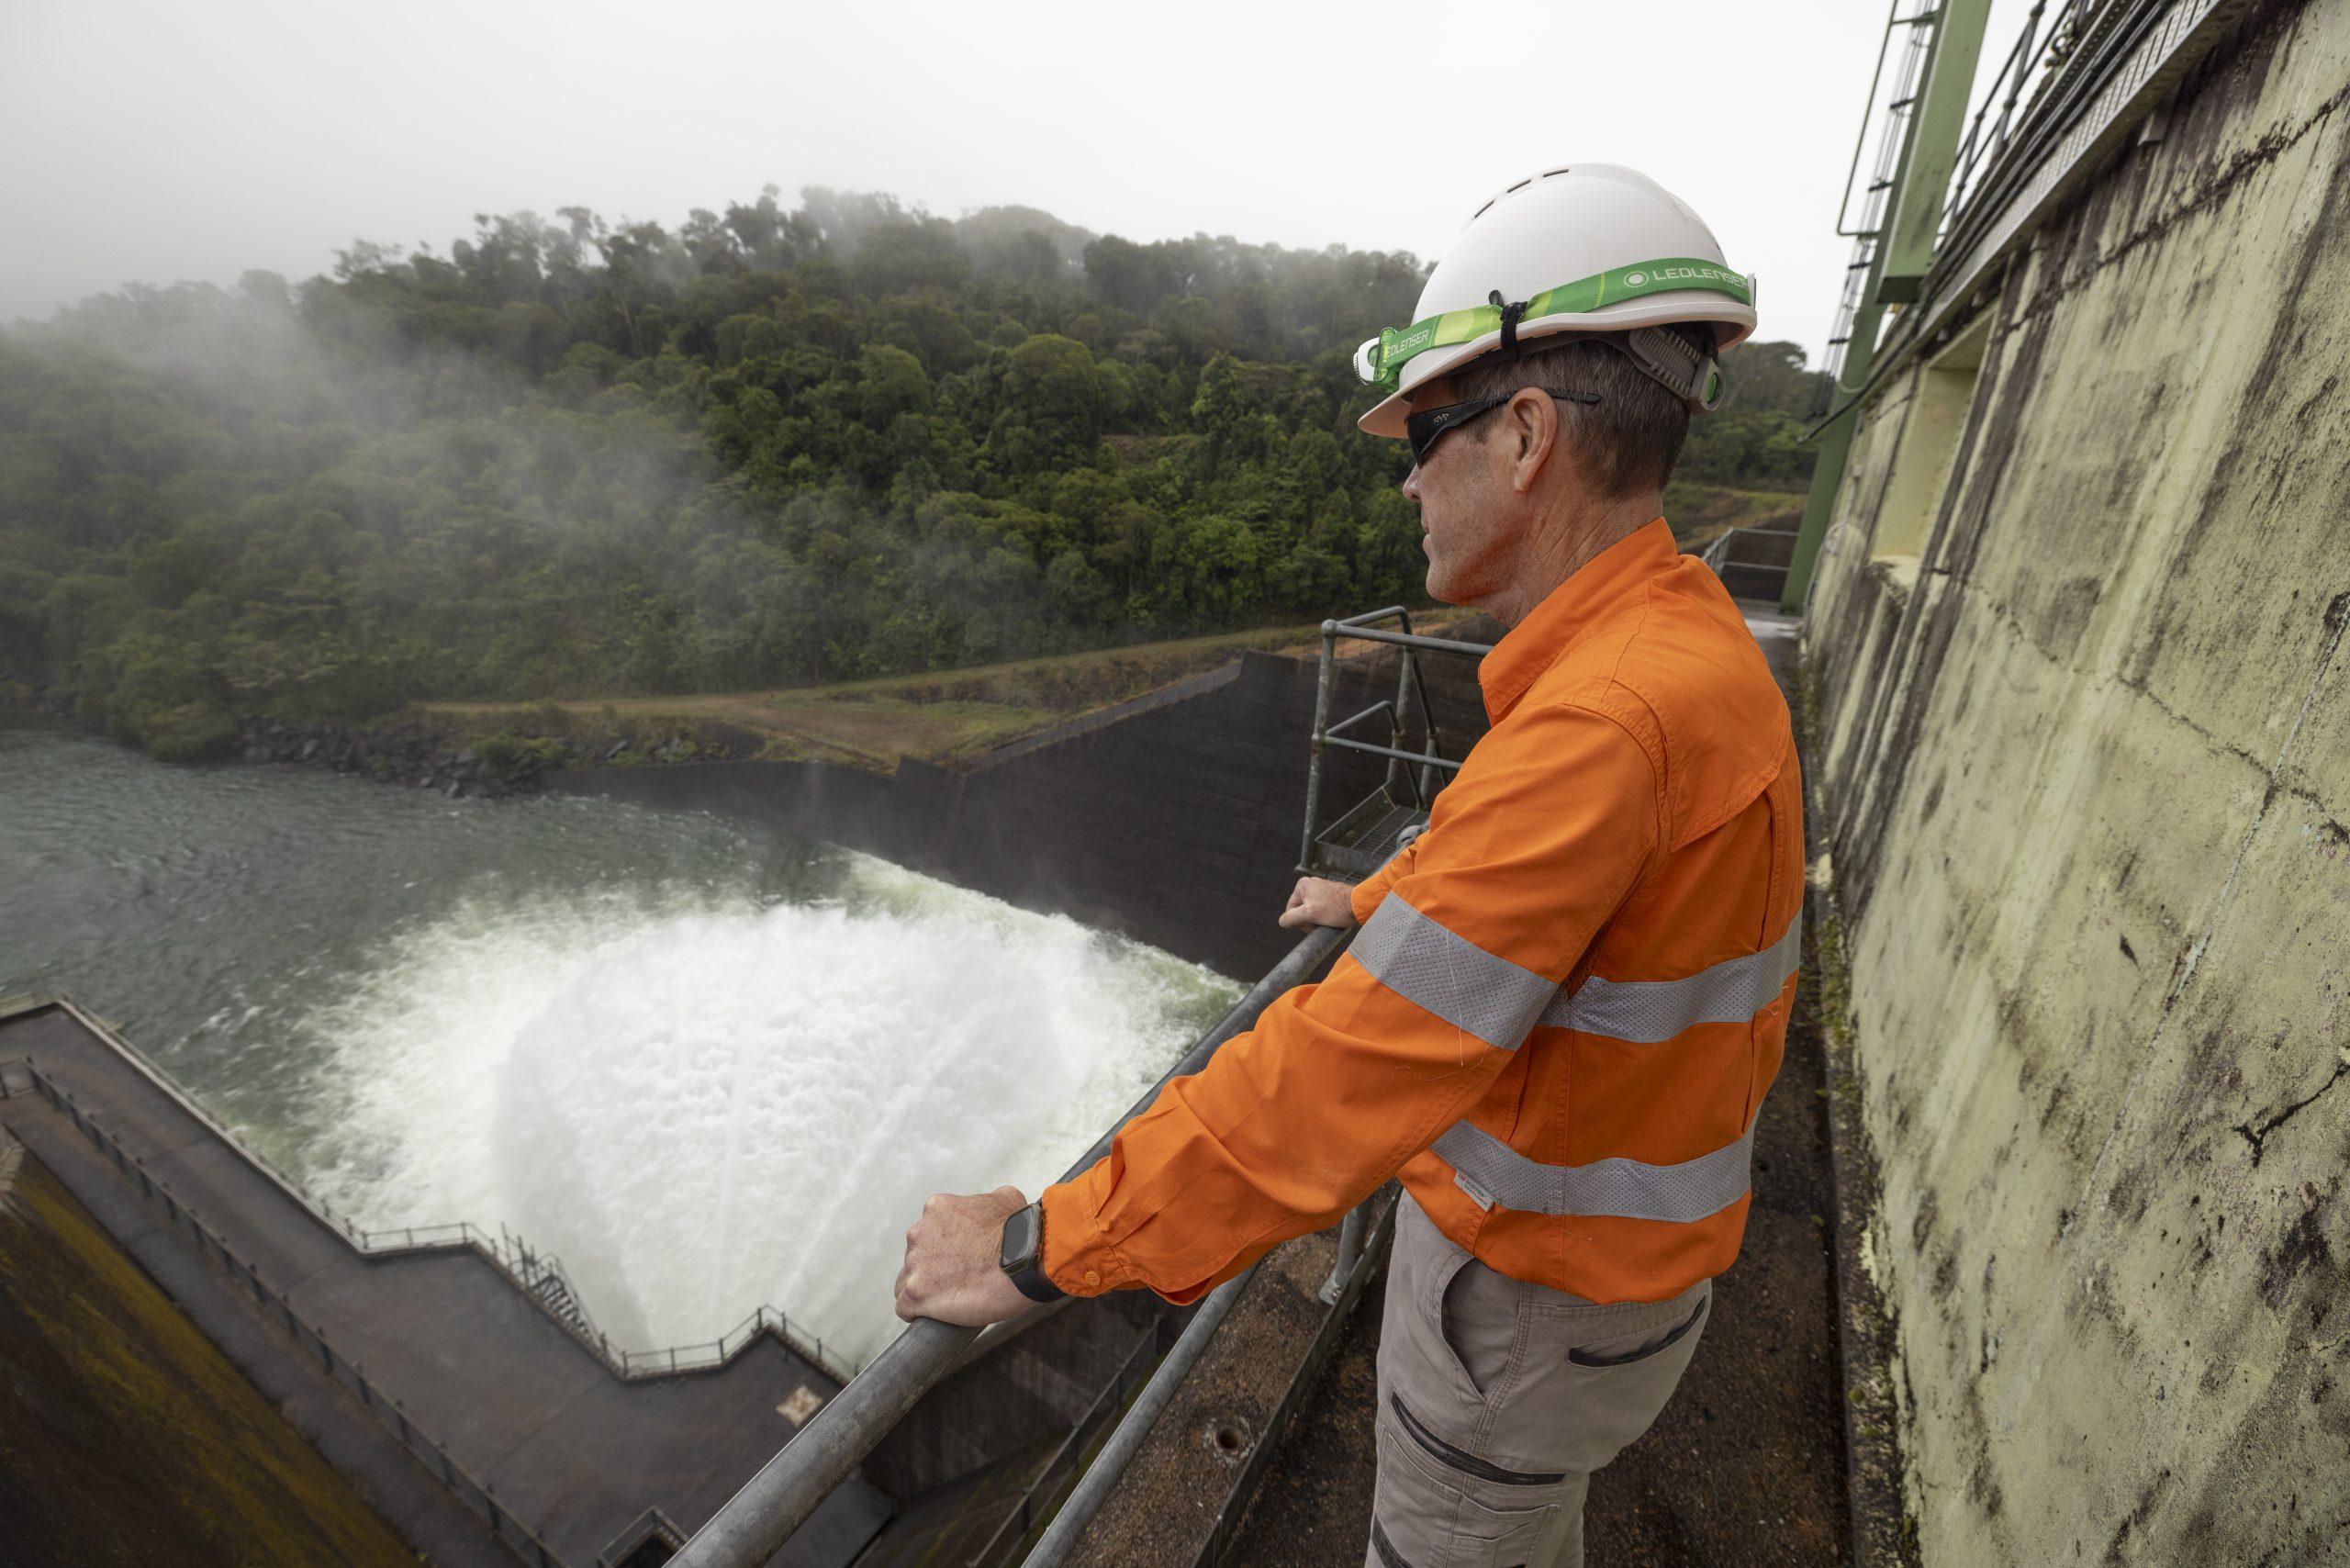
1423 429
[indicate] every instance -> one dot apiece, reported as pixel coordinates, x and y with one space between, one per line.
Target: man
1568 993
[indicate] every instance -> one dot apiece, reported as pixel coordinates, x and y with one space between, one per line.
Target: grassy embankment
946 717
129 1437
1702 512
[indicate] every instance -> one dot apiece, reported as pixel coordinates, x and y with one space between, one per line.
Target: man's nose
1411 485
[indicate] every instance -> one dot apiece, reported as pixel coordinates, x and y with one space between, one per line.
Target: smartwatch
1023 1253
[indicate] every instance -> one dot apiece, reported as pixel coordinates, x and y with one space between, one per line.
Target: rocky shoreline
432 753
435 755
411 752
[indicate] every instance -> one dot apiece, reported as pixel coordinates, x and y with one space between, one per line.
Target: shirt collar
1535 644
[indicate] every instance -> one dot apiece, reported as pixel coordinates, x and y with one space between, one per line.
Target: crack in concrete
2004 613
2258 1136
2335 628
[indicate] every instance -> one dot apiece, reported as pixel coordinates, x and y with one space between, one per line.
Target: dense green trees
771 447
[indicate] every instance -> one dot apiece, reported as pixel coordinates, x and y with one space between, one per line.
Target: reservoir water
710 1067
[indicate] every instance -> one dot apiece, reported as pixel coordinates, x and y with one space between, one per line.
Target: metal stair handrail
539 1276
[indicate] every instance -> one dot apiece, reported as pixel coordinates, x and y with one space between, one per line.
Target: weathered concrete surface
2087 764
572 1450
129 1439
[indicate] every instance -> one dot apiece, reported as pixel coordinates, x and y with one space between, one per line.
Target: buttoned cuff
1078 1257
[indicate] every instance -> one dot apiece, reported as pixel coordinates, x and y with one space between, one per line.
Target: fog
153 142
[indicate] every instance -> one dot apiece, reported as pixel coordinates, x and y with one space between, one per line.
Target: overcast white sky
154 141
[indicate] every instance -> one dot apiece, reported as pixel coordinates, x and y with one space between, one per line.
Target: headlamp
1380 359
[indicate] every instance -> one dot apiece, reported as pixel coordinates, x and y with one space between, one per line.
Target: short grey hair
1629 440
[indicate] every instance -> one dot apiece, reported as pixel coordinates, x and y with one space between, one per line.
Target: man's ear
1536 435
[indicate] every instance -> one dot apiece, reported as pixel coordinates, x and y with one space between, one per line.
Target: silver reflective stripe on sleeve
1450 976
1649 1012
1493 1172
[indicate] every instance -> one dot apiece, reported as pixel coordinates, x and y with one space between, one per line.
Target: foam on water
703 1103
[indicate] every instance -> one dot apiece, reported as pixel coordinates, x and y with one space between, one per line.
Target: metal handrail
1892 136
431 1453
2040 159
1894 18
2084 33
1410 682
1021 1515
2012 75
757 1520
1110 1465
1357 1253
532 1272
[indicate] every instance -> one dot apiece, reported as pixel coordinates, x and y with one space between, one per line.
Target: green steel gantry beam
1913 216
1902 249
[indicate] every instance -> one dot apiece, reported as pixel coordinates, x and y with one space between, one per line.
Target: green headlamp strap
1382 360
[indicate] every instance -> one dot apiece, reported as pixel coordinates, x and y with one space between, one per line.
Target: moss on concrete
2086 778
128 1439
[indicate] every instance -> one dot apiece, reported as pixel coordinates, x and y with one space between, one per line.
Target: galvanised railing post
773 1503
1395 727
1351 1233
1322 683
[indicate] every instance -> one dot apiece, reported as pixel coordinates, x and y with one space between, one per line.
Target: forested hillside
768 447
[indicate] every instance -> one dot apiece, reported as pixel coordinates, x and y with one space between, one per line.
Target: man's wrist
1022 1254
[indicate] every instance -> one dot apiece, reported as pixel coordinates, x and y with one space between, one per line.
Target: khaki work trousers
1498 1398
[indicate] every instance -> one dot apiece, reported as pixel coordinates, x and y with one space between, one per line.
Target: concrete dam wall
2083 747
1173 819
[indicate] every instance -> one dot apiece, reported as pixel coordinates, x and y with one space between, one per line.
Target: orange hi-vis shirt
1565 1003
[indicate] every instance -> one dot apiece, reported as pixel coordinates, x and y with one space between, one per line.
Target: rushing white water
711 1068
702 1102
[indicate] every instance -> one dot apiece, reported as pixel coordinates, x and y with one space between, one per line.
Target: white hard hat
1589 248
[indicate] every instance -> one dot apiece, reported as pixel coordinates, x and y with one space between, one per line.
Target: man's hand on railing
1317 901
953 1269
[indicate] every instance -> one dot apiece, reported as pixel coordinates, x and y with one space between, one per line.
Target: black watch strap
1023 1253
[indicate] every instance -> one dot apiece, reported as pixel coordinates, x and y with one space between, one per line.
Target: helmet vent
1481 212
1554 173
1519 186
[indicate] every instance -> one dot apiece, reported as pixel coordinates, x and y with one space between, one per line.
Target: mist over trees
768 447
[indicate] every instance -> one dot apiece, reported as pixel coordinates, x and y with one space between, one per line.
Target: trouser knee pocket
1441 1506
